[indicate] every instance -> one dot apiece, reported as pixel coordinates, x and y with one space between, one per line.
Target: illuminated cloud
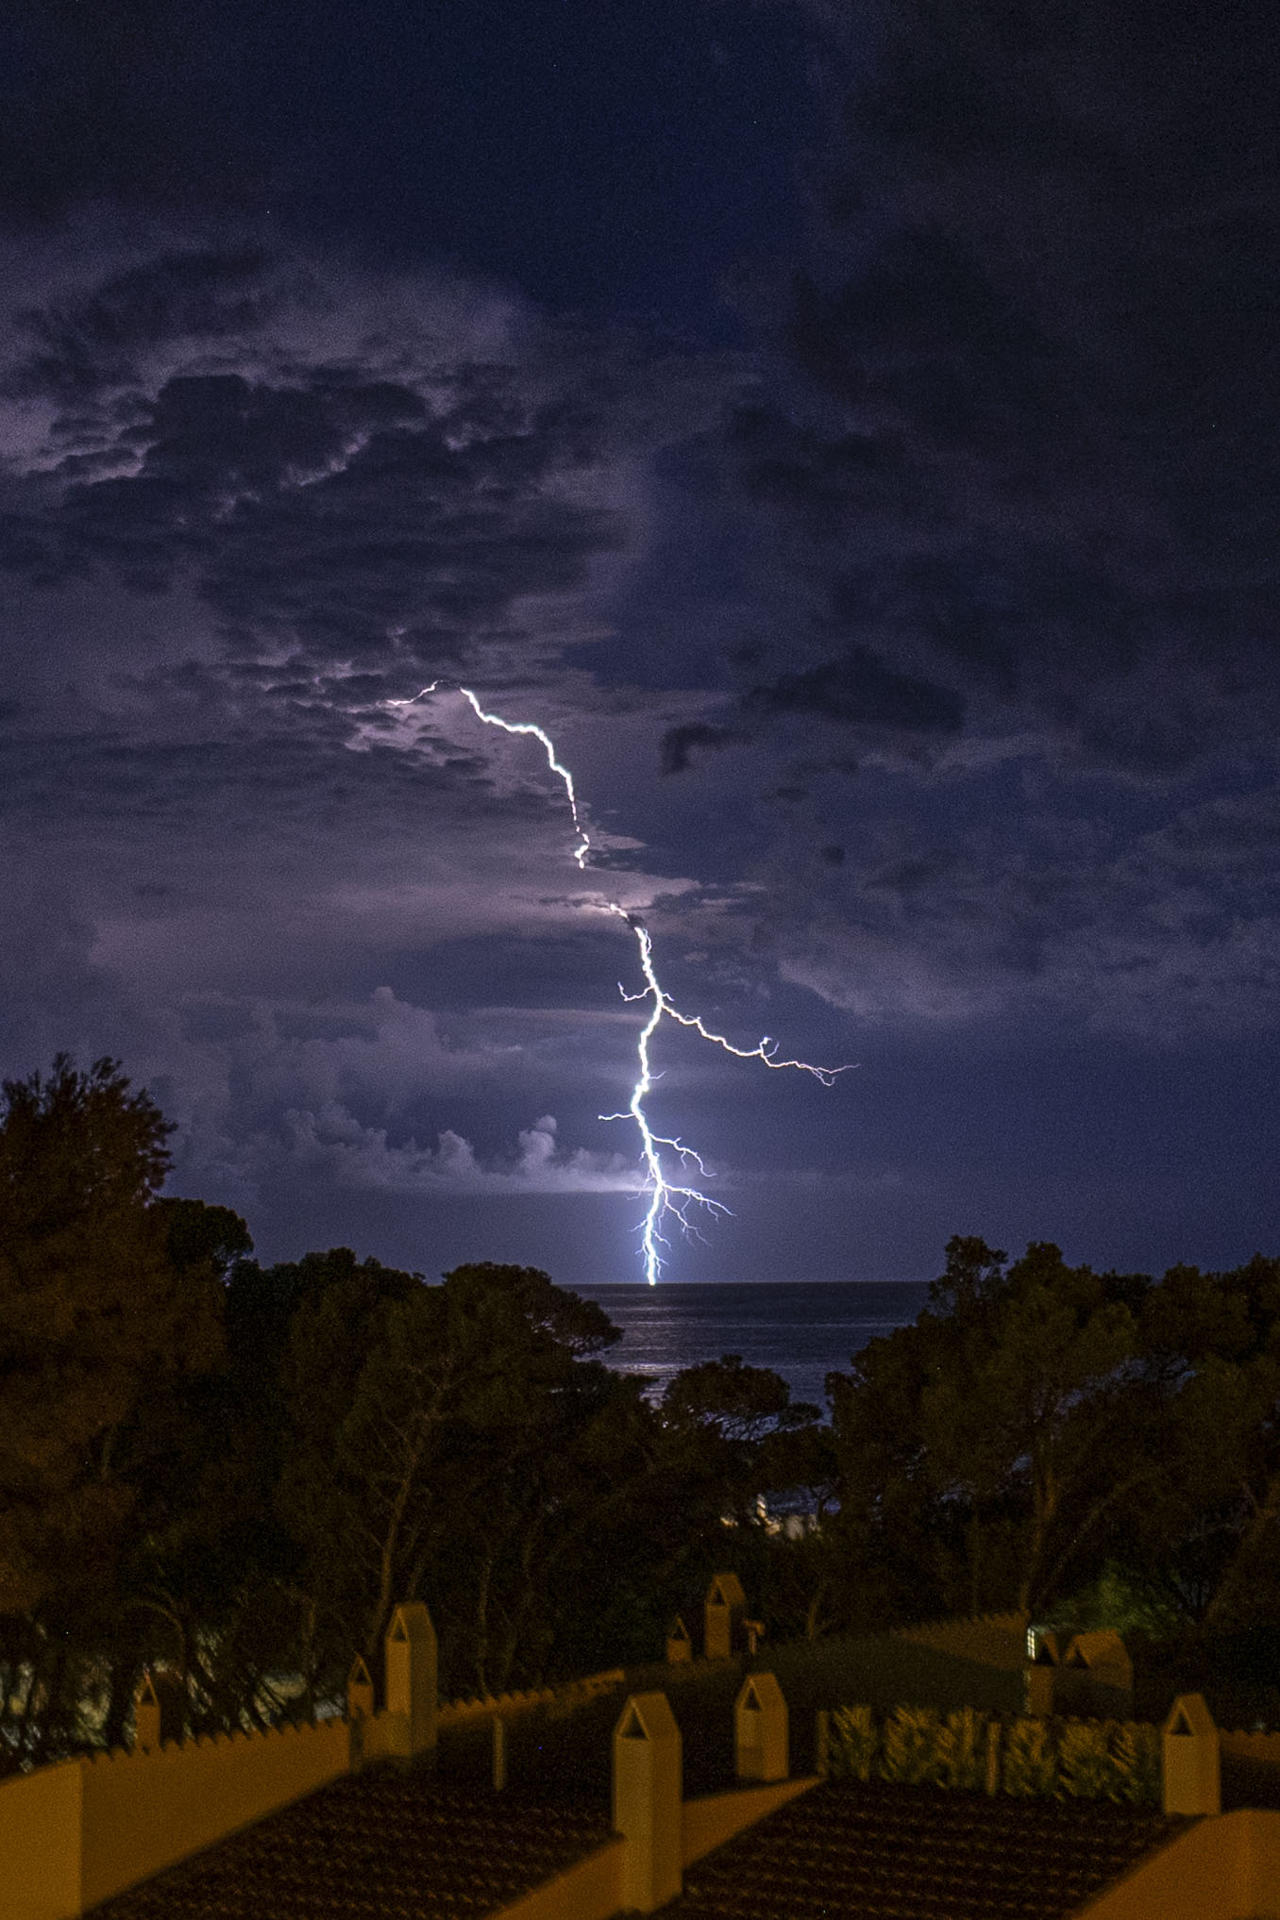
332 1144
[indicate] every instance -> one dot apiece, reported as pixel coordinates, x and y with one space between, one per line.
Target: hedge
976 1751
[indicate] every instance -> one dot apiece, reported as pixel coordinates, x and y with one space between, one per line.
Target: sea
802 1329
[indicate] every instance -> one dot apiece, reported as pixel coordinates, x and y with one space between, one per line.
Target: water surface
803 1330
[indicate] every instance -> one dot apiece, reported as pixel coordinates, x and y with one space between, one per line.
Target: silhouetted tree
97 1324
1213 1524
994 1437
423 1445
93 1314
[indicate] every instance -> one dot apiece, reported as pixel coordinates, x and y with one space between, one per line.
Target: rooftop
882 1852
386 1841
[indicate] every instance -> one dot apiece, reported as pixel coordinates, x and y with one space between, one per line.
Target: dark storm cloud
246 495
95 339
366 468
680 743
312 501
1037 460
950 602
1003 904
860 690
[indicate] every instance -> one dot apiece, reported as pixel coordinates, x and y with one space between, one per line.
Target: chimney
1192 1762
725 1610
157 1712
760 1729
410 1652
359 1691
679 1644
648 1801
146 1716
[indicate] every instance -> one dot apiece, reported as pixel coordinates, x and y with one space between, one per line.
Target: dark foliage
1043 1427
230 1473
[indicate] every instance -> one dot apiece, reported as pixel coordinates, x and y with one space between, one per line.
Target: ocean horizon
803 1329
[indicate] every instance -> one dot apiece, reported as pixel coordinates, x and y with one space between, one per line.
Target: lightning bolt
668 1197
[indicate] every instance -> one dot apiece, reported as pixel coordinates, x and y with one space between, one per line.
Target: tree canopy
94 1314
233 1471
1039 1422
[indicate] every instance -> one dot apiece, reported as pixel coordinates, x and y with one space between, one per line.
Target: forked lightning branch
669 1194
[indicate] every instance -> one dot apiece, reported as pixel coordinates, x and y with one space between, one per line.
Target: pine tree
92 1313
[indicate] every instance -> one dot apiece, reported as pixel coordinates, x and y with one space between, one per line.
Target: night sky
848 428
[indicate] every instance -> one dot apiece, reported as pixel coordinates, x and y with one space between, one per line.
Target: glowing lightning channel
666 1197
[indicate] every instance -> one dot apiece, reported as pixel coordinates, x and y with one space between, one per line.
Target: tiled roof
881 1852
373 1846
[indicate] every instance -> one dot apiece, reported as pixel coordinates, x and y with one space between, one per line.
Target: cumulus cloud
331 1143
341 475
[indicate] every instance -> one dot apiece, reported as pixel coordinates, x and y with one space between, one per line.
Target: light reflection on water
803 1330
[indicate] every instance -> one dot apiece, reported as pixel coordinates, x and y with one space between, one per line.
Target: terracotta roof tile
372 1846
881 1852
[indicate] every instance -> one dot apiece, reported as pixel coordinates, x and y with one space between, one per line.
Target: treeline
232 1471
1055 1439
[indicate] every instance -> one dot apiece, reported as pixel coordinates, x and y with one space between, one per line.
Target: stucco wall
72 1834
40 1844
1226 1866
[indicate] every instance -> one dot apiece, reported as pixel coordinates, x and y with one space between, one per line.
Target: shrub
962 1750
1086 1766
854 1743
913 1747
1069 1759
1029 1761
1137 1758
